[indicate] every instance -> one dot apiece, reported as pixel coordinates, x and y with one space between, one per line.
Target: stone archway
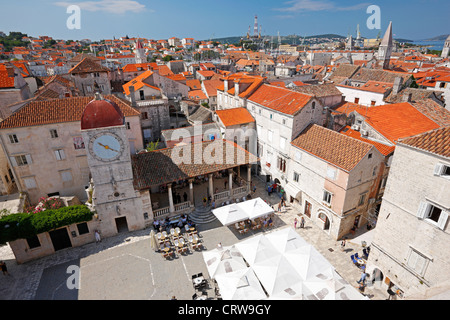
325 219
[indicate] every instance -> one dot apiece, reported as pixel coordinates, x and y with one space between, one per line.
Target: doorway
121 224
356 223
60 239
308 207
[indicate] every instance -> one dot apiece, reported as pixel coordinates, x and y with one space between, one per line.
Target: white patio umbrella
276 274
308 262
256 208
230 214
225 260
257 249
329 285
240 285
286 240
296 291
153 243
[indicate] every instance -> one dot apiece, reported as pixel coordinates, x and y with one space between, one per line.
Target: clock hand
107 147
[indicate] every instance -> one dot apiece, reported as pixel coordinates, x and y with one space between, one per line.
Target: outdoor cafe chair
164 234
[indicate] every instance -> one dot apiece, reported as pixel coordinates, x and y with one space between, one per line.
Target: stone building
332 188
45 151
151 102
410 250
89 75
13 87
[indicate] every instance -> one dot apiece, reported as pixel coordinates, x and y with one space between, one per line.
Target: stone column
249 178
171 206
230 182
211 185
191 192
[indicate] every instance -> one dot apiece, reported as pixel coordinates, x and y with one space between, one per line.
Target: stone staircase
202 215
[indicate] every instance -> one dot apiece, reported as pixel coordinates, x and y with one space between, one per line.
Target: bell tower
115 200
140 53
446 51
385 49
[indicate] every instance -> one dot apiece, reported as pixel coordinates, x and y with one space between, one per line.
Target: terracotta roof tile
280 99
401 120
340 150
236 116
436 141
383 148
88 65
37 113
171 165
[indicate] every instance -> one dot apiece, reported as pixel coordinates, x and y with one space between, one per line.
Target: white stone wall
399 231
365 97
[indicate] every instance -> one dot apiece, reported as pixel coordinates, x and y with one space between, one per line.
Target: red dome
100 113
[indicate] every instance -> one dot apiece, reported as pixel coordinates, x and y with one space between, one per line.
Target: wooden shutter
424 208
442 220
438 169
13 161
28 157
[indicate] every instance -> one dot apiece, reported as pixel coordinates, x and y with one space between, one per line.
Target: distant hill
438 38
290 39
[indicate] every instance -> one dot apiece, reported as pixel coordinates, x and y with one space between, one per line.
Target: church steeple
385 49
139 53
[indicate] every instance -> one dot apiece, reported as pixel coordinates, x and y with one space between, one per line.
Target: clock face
106 147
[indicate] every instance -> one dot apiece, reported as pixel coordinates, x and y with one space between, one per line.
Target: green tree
152 146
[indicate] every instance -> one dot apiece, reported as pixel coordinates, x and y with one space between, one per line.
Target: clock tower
117 204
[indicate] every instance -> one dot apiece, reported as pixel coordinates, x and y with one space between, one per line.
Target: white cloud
110 6
318 5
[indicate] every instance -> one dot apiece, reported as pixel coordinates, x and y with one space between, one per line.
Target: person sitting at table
270 220
156 225
180 223
265 223
190 224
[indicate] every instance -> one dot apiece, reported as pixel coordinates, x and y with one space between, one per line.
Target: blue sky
202 19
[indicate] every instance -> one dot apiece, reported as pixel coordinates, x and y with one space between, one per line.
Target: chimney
225 85
133 98
407 97
236 88
398 82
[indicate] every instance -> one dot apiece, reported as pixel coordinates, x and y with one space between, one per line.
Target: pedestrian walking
279 206
4 268
97 236
362 280
343 243
295 223
302 223
254 188
269 191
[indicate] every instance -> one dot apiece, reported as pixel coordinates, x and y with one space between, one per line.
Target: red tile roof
37 113
138 82
435 141
340 150
400 120
88 65
236 116
171 165
383 148
280 99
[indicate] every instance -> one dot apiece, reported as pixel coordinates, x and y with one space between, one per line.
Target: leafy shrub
25 225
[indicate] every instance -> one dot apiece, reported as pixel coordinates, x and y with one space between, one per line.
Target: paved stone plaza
126 267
